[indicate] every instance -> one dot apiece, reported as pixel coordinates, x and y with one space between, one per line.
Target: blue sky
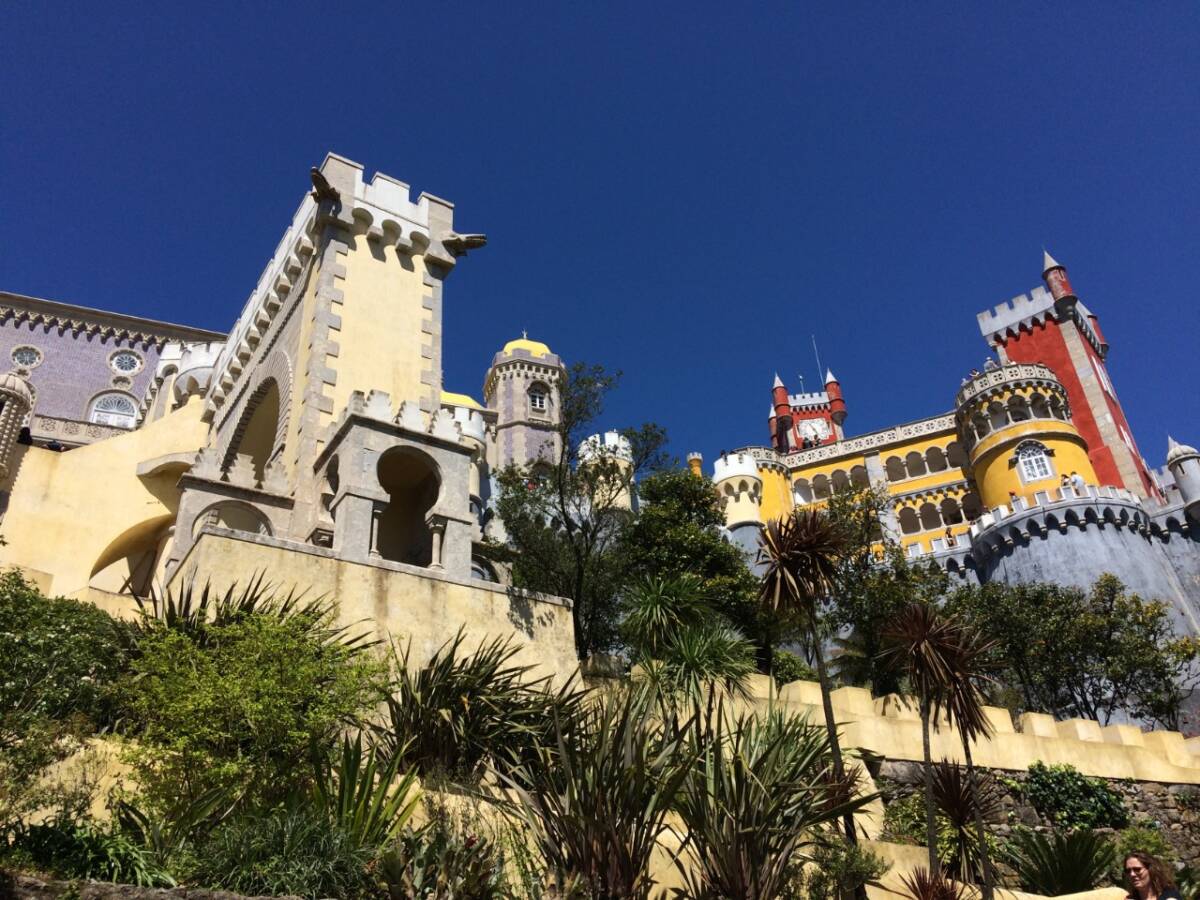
685 192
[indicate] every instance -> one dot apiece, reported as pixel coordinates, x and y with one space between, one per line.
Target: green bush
788 667
448 857
289 850
60 661
72 849
839 869
240 706
449 716
1072 800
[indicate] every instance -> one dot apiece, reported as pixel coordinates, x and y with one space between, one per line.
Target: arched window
1034 462
117 410
539 399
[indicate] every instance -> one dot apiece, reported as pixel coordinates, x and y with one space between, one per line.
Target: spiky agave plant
1061 863
452 714
926 645
596 797
194 610
800 555
754 804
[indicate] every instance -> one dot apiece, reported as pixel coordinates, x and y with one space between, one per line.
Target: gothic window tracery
1034 462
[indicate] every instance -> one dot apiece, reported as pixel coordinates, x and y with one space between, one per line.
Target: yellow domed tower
1015 423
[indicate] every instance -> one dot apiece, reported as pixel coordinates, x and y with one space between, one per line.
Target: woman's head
1145 874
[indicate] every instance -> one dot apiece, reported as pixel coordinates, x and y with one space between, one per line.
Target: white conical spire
778 381
829 376
1048 261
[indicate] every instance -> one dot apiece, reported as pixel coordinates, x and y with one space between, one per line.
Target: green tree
1072 653
564 517
242 705
678 532
874 583
800 556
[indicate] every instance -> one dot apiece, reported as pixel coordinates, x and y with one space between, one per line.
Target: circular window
27 357
126 362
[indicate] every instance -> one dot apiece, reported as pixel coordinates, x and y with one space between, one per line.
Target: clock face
814 429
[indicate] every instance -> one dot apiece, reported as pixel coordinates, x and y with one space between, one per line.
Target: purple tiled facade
76 347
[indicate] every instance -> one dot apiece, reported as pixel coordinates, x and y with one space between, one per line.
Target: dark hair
1160 878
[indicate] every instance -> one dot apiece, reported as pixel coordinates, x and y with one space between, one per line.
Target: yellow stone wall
71 515
394 600
380 340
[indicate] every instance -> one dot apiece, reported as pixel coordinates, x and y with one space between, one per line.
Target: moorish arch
263 420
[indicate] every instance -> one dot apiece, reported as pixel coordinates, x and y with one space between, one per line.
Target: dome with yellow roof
536 348
452 399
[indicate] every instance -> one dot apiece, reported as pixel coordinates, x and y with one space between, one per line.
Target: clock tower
805 420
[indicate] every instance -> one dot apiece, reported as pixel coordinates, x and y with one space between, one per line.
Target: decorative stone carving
207 464
410 416
275 477
444 426
378 406
241 472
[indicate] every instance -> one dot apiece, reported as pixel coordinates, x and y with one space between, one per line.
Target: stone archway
412 481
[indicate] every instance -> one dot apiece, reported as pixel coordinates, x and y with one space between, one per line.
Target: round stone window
125 362
27 357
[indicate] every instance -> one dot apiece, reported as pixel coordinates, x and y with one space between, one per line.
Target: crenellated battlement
735 465
1022 310
611 444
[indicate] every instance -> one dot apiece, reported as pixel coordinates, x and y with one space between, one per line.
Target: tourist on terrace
1147 878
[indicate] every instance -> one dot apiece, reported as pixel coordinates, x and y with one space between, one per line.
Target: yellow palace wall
71 515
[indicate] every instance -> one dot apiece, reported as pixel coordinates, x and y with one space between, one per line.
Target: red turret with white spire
837 404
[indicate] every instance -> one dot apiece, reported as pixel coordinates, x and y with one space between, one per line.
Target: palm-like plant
801 555
964 805
926 645
965 709
924 884
657 609
1062 863
597 795
451 714
754 802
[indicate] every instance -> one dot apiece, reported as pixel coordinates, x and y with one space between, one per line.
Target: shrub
72 849
446 858
1060 863
242 708
451 715
839 870
290 850
1072 800
60 660
788 667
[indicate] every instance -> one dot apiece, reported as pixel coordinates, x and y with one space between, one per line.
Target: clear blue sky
686 192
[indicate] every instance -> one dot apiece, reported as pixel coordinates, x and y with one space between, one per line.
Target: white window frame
137 357
539 399
111 417
1028 462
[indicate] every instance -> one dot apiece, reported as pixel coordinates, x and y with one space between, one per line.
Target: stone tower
522 386
1051 326
1184 463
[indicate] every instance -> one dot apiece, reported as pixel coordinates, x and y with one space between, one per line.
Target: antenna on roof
817 354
